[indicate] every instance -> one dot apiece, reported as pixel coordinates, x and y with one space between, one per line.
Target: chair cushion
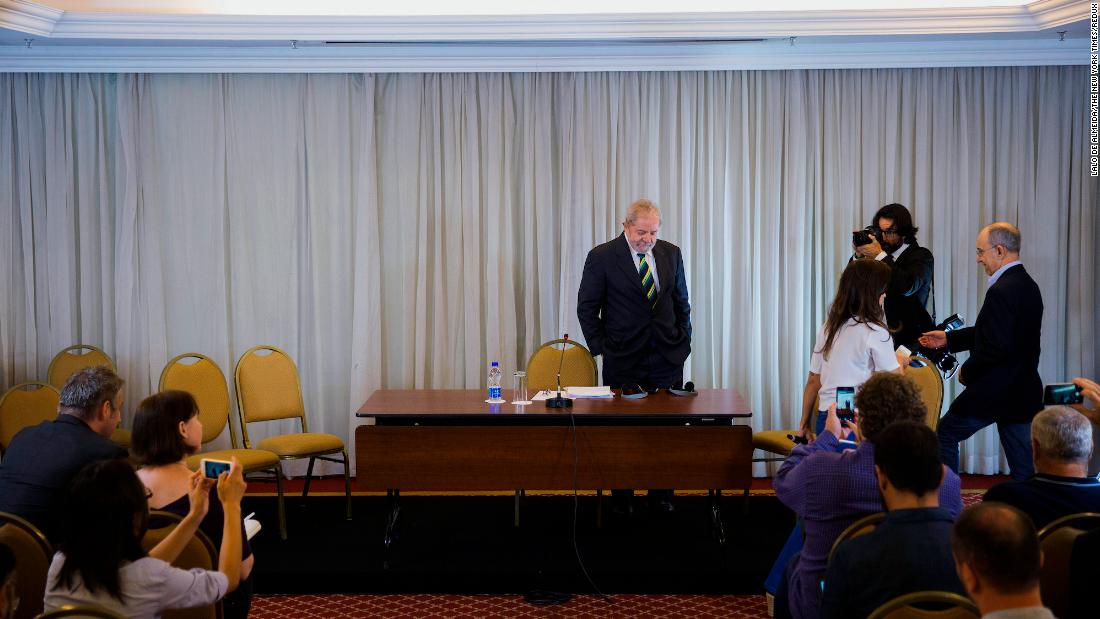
775 441
250 459
302 444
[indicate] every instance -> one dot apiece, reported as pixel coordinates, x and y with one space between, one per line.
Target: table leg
716 517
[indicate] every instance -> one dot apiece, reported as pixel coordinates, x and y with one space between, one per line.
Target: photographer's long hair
861 284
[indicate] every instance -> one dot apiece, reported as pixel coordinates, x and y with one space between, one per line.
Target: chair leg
599 509
280 501
515 517
347 484
309 475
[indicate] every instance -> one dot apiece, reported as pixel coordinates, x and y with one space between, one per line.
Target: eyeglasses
978 251
890 230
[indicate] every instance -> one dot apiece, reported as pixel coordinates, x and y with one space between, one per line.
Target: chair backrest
80 612
267 388
203 379
199 552
32 561
578 368
863 526
930 383
1086 521
74 358
928 605
25 405
1054 577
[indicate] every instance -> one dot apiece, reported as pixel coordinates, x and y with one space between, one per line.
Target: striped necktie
647 280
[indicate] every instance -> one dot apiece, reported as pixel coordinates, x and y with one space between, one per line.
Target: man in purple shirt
830 488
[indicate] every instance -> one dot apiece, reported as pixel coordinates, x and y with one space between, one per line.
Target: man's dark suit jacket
907 296
909 551
1002 374
615 314
40 462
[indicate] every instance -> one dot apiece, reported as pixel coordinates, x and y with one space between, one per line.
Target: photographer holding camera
1002 374
892 240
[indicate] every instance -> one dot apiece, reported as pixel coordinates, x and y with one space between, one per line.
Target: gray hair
1004 234
87 389
642 207
1063 434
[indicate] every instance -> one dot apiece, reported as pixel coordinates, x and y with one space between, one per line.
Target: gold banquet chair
32 562
927 605
203 379
578 367
1056 540
67 362
25 405
267 390
199 552
80 612
930 383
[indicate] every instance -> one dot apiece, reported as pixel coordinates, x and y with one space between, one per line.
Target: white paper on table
542 395
589 392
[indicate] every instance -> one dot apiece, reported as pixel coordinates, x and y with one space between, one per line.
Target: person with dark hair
914 539
998 560
8 595
100 560
852 344
1061 443
829 489
911 270
167 430
1002 373
31 485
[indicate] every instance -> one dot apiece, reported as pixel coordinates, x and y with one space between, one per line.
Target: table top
432 404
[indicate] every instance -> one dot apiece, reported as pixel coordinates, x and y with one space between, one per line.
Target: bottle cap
494 364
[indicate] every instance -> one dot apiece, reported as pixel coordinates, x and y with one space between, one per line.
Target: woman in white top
101 563
853 343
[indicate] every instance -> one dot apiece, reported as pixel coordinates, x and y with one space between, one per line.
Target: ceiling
534 35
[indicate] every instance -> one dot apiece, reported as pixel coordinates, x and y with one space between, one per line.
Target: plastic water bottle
494 382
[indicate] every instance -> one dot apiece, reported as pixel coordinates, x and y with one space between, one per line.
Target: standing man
1002 374
895 244
633 304
42 459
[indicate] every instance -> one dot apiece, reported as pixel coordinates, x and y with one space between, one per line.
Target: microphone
558 401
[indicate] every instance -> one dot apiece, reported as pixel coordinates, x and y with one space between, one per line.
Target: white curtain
404 230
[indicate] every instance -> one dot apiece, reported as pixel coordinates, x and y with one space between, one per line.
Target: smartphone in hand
213 469
845 404
1062 394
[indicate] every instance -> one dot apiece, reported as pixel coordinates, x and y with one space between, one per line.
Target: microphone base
559 402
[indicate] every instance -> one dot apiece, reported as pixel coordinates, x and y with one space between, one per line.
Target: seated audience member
8 599
914 540
830 490
998 559
32 485
100 561
1061 442
167 429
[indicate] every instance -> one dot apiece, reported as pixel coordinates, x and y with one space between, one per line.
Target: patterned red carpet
339 606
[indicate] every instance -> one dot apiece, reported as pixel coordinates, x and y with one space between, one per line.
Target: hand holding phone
845 403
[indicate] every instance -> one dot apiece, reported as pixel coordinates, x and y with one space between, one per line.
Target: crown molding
29 17
669 56
1038 15
1053 13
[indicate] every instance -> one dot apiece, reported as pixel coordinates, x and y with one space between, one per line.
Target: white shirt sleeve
190 588
816 359
881 346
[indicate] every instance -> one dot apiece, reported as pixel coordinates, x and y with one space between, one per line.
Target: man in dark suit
1002 374
633 304
895 244
42 459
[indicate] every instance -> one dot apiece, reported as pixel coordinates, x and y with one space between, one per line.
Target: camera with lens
864 236
942 358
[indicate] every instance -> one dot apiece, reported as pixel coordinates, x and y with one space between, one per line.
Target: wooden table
451 439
